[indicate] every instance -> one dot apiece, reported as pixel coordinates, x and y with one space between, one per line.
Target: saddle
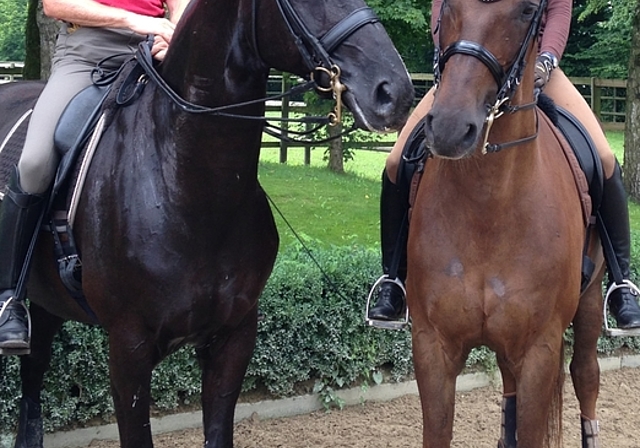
76 136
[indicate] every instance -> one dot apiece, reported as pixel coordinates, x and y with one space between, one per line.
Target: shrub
312 339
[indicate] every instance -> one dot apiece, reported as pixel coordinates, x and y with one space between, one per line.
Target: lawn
341 209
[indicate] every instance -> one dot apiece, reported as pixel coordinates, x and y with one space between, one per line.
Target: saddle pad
585 151
578 174
11 148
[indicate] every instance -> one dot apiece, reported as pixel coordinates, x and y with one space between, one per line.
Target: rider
90 31
391 301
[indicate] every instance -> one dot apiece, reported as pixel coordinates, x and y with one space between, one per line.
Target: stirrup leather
17 351
619 332
400 324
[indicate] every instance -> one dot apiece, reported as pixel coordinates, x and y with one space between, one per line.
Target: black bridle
315 52
507 80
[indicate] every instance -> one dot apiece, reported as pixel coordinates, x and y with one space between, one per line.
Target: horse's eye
529 11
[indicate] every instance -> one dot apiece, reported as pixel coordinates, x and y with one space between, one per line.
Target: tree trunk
336 160
32 44
40 42
632 121
48 31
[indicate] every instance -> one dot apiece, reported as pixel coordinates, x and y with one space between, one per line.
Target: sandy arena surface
397 423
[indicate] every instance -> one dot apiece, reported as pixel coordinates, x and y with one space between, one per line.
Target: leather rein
507 80
316 54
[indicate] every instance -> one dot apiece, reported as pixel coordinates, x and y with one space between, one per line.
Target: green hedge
312 338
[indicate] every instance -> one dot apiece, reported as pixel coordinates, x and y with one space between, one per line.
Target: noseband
507 80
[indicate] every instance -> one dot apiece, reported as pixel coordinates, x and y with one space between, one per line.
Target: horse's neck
212 59
496 177
212 62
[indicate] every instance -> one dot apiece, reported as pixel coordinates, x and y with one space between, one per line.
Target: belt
72 27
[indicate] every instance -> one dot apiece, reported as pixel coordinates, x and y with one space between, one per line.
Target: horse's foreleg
224 364
130 367
539 392
585 372
437 366
32 369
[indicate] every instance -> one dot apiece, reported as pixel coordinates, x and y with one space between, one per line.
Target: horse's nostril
383 93
471 134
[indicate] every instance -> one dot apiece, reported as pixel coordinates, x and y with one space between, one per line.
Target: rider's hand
159 48
545 63
157 26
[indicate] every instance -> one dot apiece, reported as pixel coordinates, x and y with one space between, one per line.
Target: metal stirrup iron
619 332
400 324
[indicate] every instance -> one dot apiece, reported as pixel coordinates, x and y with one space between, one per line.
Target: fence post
596 101
284 113
307 147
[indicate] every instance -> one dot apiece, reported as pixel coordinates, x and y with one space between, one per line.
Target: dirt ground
397 423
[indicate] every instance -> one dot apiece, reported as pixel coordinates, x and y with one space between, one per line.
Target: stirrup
17 351
400 324
619 332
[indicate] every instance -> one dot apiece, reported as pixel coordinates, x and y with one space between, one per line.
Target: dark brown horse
497 233
176 236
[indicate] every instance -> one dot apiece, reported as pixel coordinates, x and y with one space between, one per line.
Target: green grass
342 209
324 206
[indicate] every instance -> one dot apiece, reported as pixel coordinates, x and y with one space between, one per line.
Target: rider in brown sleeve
391 301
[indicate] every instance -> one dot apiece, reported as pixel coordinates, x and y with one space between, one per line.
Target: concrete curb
294 406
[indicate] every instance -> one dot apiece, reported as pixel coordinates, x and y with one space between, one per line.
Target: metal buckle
386 324
336 88
619 332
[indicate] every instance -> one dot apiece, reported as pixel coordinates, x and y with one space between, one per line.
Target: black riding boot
19 215
615 217
394 206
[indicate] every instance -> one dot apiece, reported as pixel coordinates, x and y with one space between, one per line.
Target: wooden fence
10 71
607 98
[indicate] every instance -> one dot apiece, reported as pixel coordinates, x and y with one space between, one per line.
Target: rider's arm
556 27
176 8
93 14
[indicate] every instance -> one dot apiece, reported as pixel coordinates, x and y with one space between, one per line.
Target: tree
604 29
408 25
632 127
40 41
13 15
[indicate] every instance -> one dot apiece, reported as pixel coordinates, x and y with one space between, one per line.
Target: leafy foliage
600 41
13 17
312 339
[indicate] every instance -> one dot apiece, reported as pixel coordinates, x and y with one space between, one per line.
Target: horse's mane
546 105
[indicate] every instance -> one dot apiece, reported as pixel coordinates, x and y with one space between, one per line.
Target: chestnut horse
176 236
497 234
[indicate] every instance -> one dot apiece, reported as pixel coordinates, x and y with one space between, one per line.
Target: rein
507 80
316 55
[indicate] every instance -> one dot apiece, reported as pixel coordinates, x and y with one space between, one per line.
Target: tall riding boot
394 207
615 218
19 215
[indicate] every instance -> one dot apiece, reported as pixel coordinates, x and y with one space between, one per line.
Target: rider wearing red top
90 31
391 301
151 8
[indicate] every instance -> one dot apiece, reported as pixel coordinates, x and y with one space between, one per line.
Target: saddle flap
585 151
76 119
